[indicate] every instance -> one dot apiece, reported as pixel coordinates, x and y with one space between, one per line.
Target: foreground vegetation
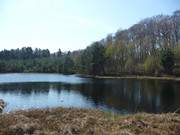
70 121
150 47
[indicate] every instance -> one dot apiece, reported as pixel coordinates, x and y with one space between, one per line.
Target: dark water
24 91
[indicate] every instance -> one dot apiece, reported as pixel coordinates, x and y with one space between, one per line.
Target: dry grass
69 121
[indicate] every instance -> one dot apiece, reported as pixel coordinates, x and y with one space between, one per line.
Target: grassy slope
70 121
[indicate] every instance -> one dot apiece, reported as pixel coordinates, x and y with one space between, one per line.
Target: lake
26 91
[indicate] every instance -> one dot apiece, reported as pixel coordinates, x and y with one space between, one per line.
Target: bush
167 59
177 54
139 69
152 65
176 70
130 66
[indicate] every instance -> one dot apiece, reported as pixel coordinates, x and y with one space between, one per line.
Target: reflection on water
124 95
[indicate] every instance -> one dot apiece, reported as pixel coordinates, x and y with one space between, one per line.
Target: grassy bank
166 77
144 77
70 121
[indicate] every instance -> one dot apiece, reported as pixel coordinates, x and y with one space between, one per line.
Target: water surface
25 91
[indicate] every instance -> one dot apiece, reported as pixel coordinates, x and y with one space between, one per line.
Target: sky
71 24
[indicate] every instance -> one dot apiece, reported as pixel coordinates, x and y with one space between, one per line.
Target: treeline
24 53
150 47
28 60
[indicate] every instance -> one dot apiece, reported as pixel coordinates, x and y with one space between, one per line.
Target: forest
150 47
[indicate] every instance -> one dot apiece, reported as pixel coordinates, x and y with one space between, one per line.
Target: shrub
177 54
139 69
130 66
152 65
167 59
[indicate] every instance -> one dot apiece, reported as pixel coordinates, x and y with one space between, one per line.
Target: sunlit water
26 91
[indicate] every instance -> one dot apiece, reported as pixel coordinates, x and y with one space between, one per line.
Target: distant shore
173 78
63 121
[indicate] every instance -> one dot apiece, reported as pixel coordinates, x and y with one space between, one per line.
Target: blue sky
71 24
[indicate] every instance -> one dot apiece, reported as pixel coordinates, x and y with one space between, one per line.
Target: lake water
25 91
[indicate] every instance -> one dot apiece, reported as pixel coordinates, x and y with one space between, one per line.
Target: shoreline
62 121
172 78
140 77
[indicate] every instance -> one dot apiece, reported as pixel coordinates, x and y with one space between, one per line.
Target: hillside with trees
150 47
